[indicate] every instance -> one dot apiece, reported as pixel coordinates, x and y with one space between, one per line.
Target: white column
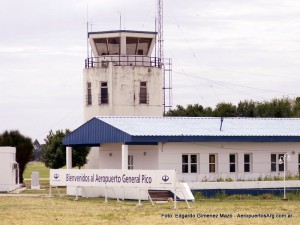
123 44
69 157
124 157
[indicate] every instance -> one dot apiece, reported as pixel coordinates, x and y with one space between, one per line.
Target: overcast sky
222 51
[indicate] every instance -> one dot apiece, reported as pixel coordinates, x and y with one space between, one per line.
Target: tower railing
119 60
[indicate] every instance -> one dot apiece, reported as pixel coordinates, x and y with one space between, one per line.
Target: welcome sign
116 178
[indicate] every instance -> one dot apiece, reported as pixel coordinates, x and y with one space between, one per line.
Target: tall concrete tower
122 78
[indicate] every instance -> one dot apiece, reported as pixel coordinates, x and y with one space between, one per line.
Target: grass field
220 210
36 167
29 210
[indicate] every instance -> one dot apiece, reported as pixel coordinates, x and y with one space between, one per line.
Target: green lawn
36 167
235 209
44 210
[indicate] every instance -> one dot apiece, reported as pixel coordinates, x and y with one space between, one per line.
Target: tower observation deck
122 78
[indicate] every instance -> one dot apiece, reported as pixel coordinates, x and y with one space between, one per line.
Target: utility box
35 180
9 169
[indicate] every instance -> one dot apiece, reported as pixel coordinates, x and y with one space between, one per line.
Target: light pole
283 159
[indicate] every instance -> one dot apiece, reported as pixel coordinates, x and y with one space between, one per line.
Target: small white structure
35 180
9 179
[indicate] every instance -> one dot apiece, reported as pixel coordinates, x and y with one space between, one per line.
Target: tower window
89 93
103 96
137 46
108 46
144 97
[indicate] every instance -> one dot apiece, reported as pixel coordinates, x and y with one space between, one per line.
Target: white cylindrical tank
9 169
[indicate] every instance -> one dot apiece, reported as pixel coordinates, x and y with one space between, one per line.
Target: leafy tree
190 111
296 107
24 148
54 153
279 108
37 152
246 109
179 111
225 110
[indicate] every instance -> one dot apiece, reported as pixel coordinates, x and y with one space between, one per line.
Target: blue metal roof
184 129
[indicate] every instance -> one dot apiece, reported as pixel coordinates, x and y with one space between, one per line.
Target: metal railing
119 60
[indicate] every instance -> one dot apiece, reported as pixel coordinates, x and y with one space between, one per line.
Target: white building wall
123 91
144 156
110 156
8 178
170 157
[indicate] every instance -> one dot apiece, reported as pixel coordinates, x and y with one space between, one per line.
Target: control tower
122 78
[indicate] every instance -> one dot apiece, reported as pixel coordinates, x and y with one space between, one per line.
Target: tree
37 152
225 110
54 153
296 107
190 111
24 148
246 109
278 108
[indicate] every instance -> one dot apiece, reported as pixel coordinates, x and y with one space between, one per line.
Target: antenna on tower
87 31
159 21
164 64
120 20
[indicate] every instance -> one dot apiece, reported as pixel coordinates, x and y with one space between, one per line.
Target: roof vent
221 123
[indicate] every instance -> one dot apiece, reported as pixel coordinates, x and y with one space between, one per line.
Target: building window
189 163
247 162
89 93
108 46
137 46
275 166
130 162
212 163
232 163
143 93
103 96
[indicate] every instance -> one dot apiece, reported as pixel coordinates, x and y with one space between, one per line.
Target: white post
139 204
105 193
175 196
284 165
124 157
69 157
76 193
284 159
